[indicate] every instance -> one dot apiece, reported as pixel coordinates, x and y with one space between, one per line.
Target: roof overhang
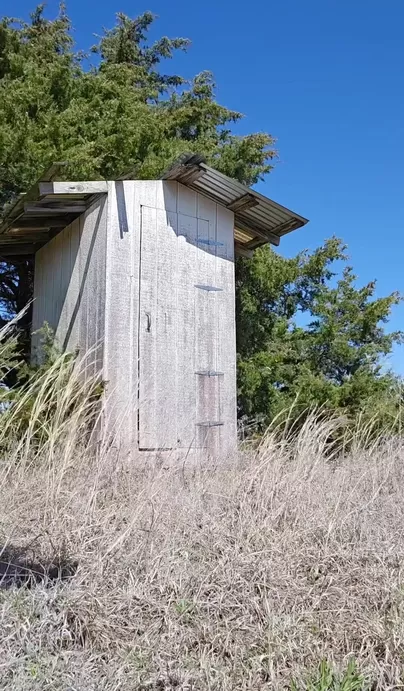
258 220
49 206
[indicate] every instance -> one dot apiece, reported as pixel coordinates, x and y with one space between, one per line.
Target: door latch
148 323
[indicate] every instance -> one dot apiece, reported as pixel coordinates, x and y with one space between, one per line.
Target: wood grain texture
226 436
148 277
150 368
46 188
187 281
122 289
186 360
69 290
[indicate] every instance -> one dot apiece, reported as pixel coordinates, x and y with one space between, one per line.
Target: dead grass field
244 573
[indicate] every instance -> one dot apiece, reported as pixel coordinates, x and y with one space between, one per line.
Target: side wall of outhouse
144 282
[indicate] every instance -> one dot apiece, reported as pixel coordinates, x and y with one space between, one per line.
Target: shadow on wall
18 570
62 268
197 220
83 272
185 214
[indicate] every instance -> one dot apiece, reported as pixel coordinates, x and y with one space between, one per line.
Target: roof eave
266 220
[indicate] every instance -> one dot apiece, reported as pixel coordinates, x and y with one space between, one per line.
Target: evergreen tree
123 114
336 359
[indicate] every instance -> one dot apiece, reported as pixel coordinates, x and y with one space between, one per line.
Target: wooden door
186 324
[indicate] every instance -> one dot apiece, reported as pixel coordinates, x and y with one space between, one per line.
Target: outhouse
139 274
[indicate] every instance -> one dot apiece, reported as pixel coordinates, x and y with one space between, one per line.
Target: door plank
147 329
186 362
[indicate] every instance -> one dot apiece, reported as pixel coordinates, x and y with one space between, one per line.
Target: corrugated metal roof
258 220
50 206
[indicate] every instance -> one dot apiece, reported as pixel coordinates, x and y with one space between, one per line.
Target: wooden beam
265 235
290 225
10 251
38 223
17 208
243 251
191 176
97 187
8 239
54 210
22 239
179 167
185 174
246 201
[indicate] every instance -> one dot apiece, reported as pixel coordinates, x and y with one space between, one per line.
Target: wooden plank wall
121 315
151 269
69 287
164 240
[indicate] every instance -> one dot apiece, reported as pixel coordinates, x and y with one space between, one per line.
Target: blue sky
325 77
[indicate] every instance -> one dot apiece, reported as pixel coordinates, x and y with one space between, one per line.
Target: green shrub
327 679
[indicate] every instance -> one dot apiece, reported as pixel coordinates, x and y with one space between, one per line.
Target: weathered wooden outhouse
141 274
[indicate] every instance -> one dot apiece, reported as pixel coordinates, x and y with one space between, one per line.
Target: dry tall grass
240 574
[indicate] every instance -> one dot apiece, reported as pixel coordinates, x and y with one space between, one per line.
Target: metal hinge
208 288
209 424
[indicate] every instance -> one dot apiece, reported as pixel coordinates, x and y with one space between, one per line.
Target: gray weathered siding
147 275
69 290
164 241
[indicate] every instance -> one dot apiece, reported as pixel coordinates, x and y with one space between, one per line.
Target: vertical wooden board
150 194
92 284
226 329
206 294
65 273
70 277
226 355
86 294
99 282
101 271
209 414
72 335
52 277
187 201
118 351
158 194
187 277
166 195
135 311
206 209
49 285
52 259
148 357
131 203
225 233
40 266
166 330
205 297
147 193
57 280
37 304
58 251
37 308
46 285
49 288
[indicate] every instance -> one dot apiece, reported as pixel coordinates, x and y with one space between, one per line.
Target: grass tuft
278 569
